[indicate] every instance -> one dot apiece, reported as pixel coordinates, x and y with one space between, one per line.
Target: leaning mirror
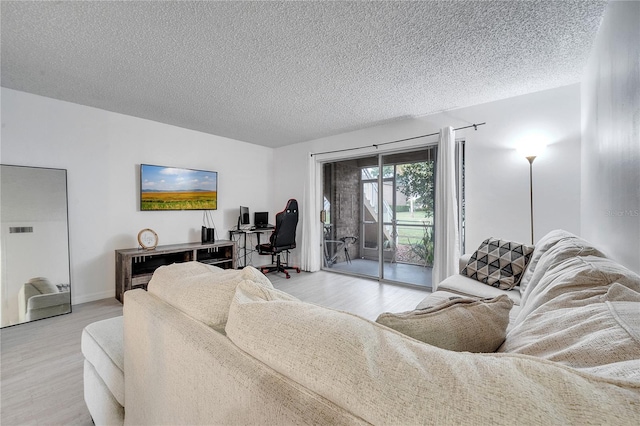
34 250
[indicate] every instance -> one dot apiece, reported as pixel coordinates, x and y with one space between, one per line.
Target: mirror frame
68 242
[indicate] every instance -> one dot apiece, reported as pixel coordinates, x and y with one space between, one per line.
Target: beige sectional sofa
205 346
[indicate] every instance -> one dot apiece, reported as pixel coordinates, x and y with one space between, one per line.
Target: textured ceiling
277 73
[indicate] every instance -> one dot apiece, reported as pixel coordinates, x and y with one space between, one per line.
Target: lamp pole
531 158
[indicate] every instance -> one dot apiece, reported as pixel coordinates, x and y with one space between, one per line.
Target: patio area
399 272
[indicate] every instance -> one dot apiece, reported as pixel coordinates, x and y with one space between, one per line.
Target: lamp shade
531 147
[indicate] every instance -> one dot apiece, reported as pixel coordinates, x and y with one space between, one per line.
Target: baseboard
76 300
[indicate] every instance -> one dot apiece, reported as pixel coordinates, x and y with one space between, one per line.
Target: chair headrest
292 205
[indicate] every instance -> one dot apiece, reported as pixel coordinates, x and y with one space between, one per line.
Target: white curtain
311 225
447 242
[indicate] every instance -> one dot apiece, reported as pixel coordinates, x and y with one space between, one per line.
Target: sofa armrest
27 291
42 301
462 262
47 305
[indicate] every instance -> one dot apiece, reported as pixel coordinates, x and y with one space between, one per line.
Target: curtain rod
376 145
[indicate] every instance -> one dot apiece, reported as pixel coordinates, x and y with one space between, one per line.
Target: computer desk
243 234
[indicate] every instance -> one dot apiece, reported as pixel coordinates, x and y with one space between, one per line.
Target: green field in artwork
179 200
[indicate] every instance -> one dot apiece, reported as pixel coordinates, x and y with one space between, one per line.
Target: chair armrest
462 262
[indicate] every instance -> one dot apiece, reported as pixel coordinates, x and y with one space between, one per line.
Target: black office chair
282 239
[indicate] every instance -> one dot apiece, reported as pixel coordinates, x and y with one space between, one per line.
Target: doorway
378 219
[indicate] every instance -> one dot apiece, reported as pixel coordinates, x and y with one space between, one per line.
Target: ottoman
103 350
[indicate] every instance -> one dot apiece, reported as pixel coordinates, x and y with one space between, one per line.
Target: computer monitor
261 218
244 216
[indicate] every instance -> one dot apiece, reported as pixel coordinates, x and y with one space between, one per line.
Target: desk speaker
208 235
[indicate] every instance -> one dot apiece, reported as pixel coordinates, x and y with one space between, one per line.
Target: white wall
497 177
611 136
102 152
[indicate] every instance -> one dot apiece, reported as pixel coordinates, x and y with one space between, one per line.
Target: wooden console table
135 266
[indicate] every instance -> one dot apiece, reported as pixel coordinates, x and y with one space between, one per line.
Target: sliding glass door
379 216
409 192
350 240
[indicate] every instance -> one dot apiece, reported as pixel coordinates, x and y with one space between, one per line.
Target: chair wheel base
278 266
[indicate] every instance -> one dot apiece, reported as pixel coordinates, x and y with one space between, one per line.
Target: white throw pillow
573 274
201 291
556 239
458 324
596 330
558 253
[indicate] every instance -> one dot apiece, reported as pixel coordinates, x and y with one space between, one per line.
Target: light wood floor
363 297
41 363
41 367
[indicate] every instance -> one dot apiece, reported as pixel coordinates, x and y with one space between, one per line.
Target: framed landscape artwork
172 188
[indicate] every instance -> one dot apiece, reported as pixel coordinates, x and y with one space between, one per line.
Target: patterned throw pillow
498 263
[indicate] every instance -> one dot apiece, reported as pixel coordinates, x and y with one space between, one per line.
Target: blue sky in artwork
159 178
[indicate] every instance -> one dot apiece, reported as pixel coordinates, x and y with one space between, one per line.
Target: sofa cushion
104 408
498 263
384 377
466 286
436 298
102 345
563 240
250 291
596 330
201 291
43 285
573 274
441 295
252 274
459 324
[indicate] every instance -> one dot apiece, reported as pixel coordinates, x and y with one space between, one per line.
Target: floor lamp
531 158
530 151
